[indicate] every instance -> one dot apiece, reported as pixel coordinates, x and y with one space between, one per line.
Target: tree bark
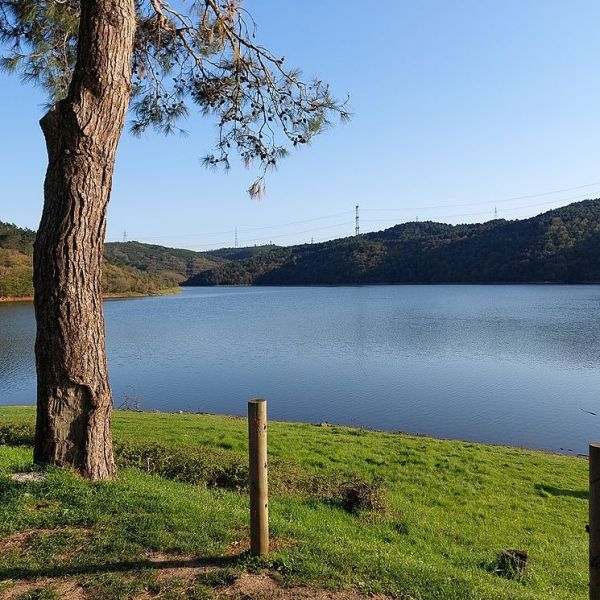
82 132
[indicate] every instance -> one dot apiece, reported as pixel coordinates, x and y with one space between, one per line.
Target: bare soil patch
22 541
69 589
186 571
261 587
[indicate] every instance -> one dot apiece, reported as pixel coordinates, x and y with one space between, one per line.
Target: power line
248 230
346 212
487 202
220 244
301 232
272 237
479 214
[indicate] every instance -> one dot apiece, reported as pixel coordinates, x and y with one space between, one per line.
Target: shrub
220 468
17 435
362 495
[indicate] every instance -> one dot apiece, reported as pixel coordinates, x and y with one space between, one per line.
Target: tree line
559 246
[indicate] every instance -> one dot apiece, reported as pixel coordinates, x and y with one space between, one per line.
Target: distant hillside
561 245
176 264
16 271
16 238
240 253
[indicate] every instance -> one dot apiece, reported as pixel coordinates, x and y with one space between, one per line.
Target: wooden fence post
594 521
259 492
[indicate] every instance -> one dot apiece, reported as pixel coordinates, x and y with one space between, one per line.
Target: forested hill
177 264
562 245
16 270
129 268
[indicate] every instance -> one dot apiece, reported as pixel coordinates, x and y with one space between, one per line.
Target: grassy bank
435 519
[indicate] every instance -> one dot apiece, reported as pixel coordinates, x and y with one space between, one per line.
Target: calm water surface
507 364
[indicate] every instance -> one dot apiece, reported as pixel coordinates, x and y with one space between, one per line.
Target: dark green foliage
212 467
16 238
129 268
49 29
560 246
244 272
239 253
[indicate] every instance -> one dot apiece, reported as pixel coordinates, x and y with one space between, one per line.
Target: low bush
17 435
220 468
360 495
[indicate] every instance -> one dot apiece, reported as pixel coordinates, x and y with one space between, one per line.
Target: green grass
451 508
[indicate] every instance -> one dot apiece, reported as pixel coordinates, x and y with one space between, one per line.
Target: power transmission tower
124 236
495 212
236 238
357 225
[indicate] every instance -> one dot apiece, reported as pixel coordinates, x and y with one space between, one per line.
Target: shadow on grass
554 491
25 573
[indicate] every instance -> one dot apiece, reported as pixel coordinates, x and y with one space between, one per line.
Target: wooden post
259 492
594 521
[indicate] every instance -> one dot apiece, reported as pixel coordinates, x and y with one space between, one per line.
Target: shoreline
397 284
110 296
16 299
177 290
328 425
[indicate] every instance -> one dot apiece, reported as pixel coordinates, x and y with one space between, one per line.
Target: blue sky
458 107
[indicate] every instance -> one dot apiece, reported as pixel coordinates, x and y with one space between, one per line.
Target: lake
515 365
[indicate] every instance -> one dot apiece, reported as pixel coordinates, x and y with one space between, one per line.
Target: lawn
437 516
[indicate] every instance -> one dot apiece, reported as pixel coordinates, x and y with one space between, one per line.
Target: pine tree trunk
82 132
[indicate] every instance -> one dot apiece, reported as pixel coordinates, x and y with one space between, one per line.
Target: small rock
27 477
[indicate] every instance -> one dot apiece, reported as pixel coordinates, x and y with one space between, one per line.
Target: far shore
105 296
178 289
16 298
